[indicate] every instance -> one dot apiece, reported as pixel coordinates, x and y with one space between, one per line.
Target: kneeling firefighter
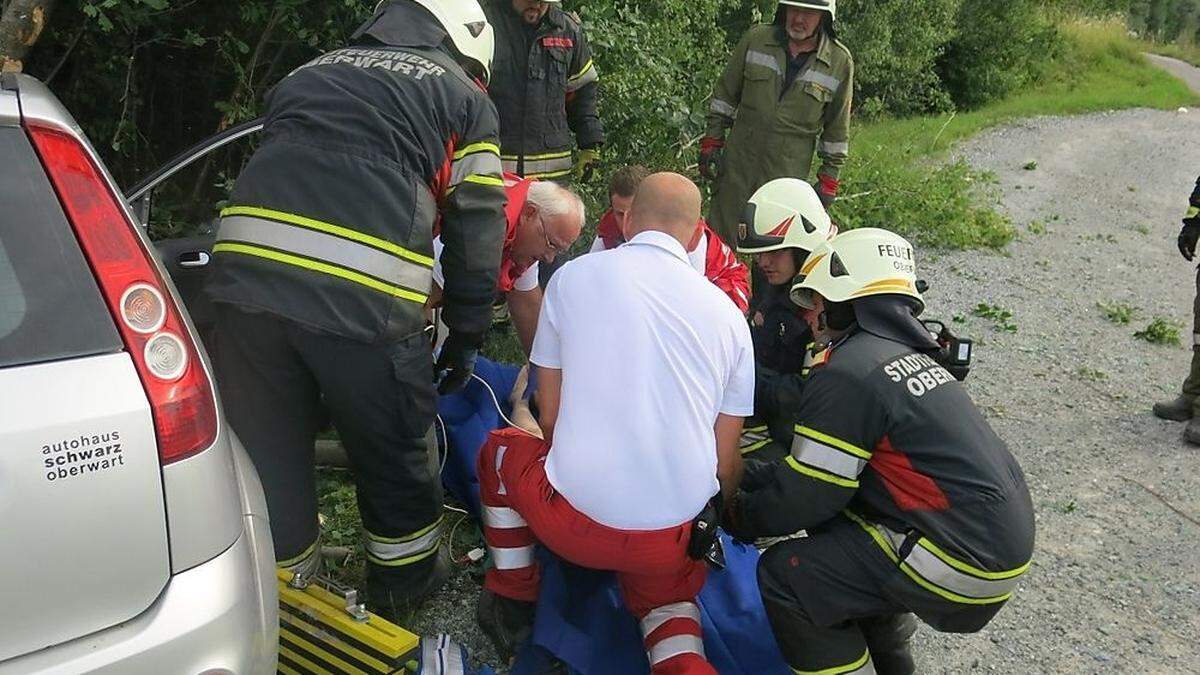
322 266
783 221
910 501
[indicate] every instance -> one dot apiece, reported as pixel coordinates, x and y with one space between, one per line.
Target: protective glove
1189 235
712 151
757 474
585 164
456 362
827 189
731 523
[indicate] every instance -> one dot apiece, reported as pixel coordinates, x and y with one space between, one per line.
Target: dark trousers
279 384
1191 385
838 604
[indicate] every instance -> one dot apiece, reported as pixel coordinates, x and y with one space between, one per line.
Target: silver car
133 530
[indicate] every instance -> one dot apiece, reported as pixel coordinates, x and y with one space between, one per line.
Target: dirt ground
1115 583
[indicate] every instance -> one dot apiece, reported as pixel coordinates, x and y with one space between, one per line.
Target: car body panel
81 500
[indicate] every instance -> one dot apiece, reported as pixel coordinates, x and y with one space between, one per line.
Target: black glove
757 474
456 362
1188 237
704 529
732 524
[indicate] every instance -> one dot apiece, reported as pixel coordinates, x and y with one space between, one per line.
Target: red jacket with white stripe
720 264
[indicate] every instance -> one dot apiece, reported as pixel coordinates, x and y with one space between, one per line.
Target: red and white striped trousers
658 580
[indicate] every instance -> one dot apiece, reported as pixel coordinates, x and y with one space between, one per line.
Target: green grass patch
1120 313
896 178
1161 331
1001 317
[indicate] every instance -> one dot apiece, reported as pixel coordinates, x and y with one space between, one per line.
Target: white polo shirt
650 353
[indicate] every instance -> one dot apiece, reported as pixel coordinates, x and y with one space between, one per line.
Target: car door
187 258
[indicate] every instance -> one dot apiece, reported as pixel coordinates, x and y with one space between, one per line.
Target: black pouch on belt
705 544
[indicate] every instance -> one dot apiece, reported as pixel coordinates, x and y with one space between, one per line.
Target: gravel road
1115 584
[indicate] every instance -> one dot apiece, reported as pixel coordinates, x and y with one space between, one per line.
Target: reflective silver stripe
512 558
390 550
828 81
660 615
477 164
674 646
539 166
763 59
827 458
752 436
500 462
722 108
588 76
933 569
938 571
502 518
328 248
833 148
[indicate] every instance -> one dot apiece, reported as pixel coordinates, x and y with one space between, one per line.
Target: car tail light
167 361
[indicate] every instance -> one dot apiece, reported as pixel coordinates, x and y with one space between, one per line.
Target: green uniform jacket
775 136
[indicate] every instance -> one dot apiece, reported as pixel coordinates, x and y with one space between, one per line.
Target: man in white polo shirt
645 371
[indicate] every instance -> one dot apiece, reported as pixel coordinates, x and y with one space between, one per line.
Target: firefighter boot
1191 433
508 623
888 641
1183 408
397 602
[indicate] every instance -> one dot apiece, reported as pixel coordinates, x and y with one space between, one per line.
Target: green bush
896 44
998 48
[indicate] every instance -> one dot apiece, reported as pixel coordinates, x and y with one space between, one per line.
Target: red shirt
721 264
516 189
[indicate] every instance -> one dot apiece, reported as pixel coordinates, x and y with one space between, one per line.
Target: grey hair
553 200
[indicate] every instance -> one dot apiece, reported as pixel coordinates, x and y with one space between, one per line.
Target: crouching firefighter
910 501
783 221
323 263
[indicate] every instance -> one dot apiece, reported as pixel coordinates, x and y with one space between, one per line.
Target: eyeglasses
551 246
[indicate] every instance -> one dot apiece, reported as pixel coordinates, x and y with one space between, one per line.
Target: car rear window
50 306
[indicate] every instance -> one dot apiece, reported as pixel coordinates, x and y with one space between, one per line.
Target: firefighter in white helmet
323 263
910 501
781 224
783 98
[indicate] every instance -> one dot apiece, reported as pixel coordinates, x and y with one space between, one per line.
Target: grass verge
894 181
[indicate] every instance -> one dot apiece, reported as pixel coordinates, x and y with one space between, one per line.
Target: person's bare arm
729 458
549 392
522 416
524 307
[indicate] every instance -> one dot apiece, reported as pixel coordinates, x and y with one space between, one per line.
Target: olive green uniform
776 127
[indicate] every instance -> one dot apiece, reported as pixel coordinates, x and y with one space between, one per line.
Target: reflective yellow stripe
883 544
484 180
1193 212
482 146
325 268
969 569
755 446
830 440
821 475
548 174
303 556
408 537
839 670
582 71
534 158
329 228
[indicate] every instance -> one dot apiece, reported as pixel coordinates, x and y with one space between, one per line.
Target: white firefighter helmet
467 27
784 213
858 264
822 5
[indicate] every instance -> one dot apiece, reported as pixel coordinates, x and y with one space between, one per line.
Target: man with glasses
544 220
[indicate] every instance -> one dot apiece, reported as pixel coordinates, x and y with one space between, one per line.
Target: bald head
666 202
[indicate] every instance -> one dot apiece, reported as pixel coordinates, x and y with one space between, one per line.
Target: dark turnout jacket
331 222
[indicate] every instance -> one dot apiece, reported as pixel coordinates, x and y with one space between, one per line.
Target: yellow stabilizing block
318 635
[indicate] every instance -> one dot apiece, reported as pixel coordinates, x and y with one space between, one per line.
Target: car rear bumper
218 617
